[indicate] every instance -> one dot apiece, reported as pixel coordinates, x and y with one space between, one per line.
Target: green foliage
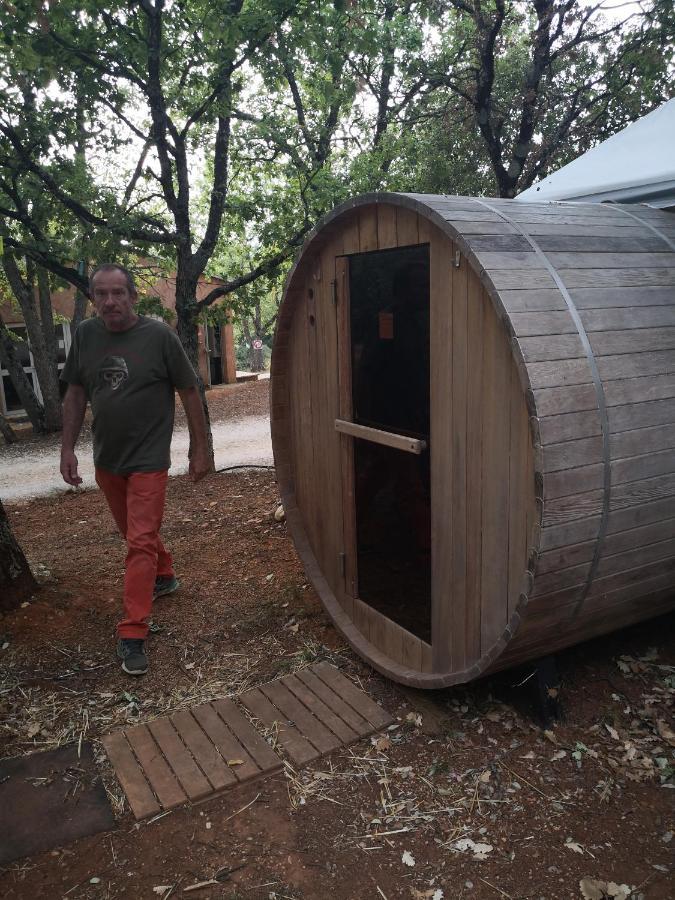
148 305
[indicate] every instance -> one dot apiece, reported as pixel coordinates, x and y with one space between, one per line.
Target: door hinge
458 259
333 292
342 564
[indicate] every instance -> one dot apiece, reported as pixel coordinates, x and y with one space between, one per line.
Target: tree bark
6 431
16 579
187 311
48 370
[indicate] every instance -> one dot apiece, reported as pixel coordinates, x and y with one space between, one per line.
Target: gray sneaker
132 653
165 584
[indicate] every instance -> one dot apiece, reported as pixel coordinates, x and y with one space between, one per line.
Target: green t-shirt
129 377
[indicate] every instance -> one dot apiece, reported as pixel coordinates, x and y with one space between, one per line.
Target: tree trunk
16 579
6 430
186 326
79 310
257 358
47 363
21 382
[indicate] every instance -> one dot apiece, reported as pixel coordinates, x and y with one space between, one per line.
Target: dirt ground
466 796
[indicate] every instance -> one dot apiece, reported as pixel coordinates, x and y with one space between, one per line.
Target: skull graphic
113 372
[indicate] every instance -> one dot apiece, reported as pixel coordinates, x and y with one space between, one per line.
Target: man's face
113 300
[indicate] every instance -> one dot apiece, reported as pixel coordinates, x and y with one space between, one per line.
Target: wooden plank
488 225
628 318
571 454
368 228
516 301
210 761
350 578
531 324
635 340
386 226
529 279
632 578
635 277
552 346
495 477
407 229
255 745
327 457
627 365
639 415
319 709
227 745
601 298
619 520
552 401
636 243
642 441
478 304
161 778
663 260
609 565
385 635
573 481
334 701
427 657
377 436
180 759
311 728
519 480
569 426
572 507
655 463
641 389
502 260
461 370
142 801
441 252
299 749
614 545
350 233
359 701
362 617
502 242
599 231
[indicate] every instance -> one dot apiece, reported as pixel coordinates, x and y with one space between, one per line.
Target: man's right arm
74 406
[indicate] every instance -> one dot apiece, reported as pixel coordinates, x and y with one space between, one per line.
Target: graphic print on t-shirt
113 372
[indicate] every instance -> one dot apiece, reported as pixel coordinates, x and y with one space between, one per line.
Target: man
128 367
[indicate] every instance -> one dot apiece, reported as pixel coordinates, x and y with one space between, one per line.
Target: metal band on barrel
599 393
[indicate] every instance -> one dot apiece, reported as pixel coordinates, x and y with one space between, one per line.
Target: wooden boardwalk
197 753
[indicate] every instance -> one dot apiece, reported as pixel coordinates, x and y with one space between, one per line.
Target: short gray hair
115 267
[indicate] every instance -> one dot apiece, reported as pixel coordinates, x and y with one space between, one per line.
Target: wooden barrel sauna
473 420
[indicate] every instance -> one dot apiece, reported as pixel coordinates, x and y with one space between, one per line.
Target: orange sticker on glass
386 321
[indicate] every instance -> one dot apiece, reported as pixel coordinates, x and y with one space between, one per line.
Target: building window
10 404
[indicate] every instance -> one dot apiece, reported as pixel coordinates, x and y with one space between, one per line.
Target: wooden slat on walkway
197 753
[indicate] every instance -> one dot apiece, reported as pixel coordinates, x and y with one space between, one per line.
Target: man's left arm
200 458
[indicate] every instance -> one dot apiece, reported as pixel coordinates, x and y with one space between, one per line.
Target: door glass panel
389 299
389 317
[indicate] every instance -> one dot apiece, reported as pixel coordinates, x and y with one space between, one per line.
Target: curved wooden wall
553 424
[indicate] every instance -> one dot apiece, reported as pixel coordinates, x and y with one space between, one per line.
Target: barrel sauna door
383 335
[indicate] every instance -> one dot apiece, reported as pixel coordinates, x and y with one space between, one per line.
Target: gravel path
33 470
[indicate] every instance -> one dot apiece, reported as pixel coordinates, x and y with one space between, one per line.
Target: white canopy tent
636 165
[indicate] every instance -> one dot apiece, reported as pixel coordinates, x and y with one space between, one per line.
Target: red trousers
137 504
